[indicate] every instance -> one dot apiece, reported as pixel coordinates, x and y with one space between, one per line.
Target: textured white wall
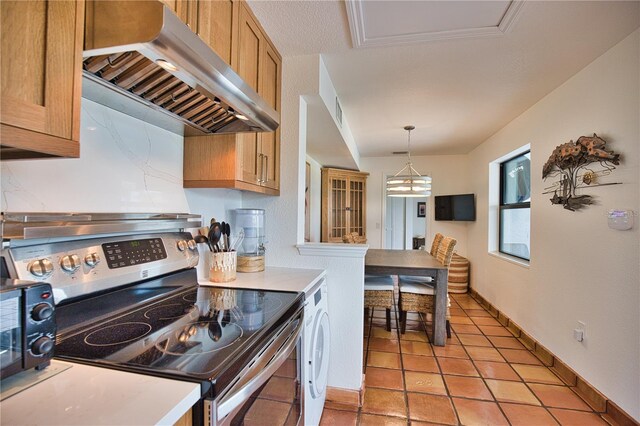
450 174
580 269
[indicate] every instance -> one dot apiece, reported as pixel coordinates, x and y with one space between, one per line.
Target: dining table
415 263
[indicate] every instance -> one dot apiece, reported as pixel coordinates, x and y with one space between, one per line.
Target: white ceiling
443 72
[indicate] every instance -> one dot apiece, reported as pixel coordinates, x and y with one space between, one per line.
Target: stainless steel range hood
142 60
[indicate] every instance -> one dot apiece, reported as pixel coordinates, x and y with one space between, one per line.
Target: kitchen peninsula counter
85 395
275 278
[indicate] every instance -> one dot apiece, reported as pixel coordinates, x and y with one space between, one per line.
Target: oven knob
70 263
192 245
41 312
41 267
182 245
92 259
42 346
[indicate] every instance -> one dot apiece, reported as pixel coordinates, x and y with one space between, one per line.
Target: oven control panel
133 252
80 267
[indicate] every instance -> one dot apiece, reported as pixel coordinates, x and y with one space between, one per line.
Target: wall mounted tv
455 207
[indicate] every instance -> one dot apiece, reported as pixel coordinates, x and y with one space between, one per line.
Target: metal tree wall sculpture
568 160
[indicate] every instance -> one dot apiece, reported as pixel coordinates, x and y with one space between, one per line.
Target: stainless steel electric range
126 297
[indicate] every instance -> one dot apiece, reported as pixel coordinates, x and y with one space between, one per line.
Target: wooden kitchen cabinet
41 68
246 161
212 20
343 204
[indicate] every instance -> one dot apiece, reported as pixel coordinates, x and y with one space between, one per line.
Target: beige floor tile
425 364
431 408
465 329
374 420
383 333
467 387
527 415
505 391
384 378
424 382
457 367
340 406
384 402
478 353
577 418
383 345
455 319
506 342
336 418
486 321
474 340
536 374
559 396
517 356
450 351
417 336
474 313
496 370
383 360
415 348
479 412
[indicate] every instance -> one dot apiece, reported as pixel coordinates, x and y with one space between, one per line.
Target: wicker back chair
378 293
436 243
417 294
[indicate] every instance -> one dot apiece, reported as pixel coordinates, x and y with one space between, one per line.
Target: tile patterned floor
483 376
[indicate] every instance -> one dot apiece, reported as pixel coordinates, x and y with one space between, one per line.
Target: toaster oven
27 326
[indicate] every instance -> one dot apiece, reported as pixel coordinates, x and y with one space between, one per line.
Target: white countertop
275 278
85 395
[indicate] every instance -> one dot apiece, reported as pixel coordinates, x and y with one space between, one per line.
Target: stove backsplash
125 165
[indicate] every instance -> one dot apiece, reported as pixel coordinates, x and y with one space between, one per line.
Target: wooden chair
417 294
378 293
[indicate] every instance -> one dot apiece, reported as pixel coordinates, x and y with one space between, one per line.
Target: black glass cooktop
193 333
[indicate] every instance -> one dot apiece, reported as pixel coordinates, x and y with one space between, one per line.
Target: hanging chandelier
408 182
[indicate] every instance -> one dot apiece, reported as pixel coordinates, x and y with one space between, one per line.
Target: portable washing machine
316 352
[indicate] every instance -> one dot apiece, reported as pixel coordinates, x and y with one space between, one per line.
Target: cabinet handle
261 168
266 169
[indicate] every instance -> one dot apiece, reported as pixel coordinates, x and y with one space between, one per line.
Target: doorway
402 222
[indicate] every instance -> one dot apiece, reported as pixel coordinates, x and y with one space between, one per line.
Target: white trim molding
333 250
360 40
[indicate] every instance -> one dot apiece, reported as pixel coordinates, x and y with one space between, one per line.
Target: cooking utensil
223 225
214 236
227 233
201 239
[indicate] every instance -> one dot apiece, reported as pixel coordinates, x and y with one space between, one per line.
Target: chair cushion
416 288
378 282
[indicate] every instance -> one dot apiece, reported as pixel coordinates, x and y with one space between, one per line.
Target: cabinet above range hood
141 59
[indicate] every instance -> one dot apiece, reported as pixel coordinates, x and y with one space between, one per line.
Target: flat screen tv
455 207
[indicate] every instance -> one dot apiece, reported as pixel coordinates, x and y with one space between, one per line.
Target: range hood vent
142 60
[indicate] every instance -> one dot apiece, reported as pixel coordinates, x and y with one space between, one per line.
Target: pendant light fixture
408 182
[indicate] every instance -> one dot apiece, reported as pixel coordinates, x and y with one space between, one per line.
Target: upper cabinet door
248 52
215 20
41 74
270 80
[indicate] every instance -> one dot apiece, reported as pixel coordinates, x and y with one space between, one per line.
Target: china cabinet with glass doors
343 204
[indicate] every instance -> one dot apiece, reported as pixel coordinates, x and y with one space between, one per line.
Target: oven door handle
262 368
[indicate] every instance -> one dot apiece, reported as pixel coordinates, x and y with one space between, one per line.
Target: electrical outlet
579 333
